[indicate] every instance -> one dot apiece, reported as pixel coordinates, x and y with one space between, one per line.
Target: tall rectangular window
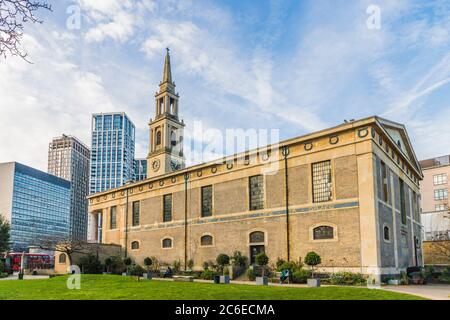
440 207
440 179
321 181
167 208
384 183
207 201
256 190
113 218
441 194
136 213
402 201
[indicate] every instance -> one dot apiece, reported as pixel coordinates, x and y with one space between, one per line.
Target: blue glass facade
40 207
112 152
140 169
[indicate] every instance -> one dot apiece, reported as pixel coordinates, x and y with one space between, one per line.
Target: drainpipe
126 226
285 151
186 178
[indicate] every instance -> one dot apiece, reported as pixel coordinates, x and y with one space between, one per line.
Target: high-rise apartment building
112 152
35 203
140 169
68 158
434 198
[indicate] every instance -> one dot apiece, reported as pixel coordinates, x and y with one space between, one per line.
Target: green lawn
126 288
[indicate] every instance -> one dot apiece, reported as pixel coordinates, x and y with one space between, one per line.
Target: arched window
257 237
323 232
386 233
62 258
206 240
135 245
167 243
158 138
173 139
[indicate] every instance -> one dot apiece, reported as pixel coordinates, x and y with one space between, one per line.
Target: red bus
33 261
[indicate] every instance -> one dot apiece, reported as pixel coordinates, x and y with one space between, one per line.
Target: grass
109 287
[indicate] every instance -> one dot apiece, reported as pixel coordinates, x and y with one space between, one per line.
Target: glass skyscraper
140 169
112 151
68 158
36 204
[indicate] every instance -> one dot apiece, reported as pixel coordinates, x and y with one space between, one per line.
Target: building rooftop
435 162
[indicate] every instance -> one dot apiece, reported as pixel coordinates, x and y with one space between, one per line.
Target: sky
297 66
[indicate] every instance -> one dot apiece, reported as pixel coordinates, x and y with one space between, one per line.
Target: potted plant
262 260
127 262
223 260
312 259
148 262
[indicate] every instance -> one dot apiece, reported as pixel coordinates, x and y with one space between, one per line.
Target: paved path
430 291
26 277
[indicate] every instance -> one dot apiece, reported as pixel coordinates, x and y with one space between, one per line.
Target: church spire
167 75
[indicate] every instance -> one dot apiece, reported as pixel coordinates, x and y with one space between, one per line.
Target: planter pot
262 281
394 282
147 276
225 279
124 274
314 283
20 276
216 279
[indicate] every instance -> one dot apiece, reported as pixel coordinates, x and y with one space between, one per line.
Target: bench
183 278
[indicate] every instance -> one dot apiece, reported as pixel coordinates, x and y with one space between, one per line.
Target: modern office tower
35 203
68 158
112 152
140 169
434 198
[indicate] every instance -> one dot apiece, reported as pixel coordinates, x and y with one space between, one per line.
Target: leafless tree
13 15
67 245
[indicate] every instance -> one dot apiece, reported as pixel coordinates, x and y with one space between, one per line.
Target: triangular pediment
397 132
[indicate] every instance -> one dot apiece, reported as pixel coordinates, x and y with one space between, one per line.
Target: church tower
166 130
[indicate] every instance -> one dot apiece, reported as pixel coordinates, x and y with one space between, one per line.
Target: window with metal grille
256 237
323 232
136 213
135 245
256 186
207 201
321 179
113 218
441 194
167 243
206 240
440 179
402 201
167 208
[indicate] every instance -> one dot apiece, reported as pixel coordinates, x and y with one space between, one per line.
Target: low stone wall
436 253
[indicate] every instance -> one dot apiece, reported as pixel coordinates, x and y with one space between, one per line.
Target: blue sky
296 66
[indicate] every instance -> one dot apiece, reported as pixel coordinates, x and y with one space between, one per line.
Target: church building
349 193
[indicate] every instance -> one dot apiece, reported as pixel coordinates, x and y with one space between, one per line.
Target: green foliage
2 266
3 275
136 270
117 265
90 264
262 259
208 274
347 278
223 260
127 261
238 259
251 274
176 266
429 270
148 262
446 272
190 264
312 259
279 263
301 276
206 265
4 234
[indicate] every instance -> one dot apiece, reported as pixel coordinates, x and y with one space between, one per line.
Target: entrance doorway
257 245
254 251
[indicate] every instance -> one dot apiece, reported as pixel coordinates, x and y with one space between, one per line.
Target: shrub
190 264
238 259
2 266
148 262
279 263
208 274
205 265
251 275
347 278
3 275
127 261
301 276
176 266
223 260
262 260
117 265
312 259
136 270
108 264
91 265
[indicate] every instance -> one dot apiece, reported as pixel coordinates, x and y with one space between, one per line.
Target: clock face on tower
155 165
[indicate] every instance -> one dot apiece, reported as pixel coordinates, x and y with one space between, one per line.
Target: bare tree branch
13 15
